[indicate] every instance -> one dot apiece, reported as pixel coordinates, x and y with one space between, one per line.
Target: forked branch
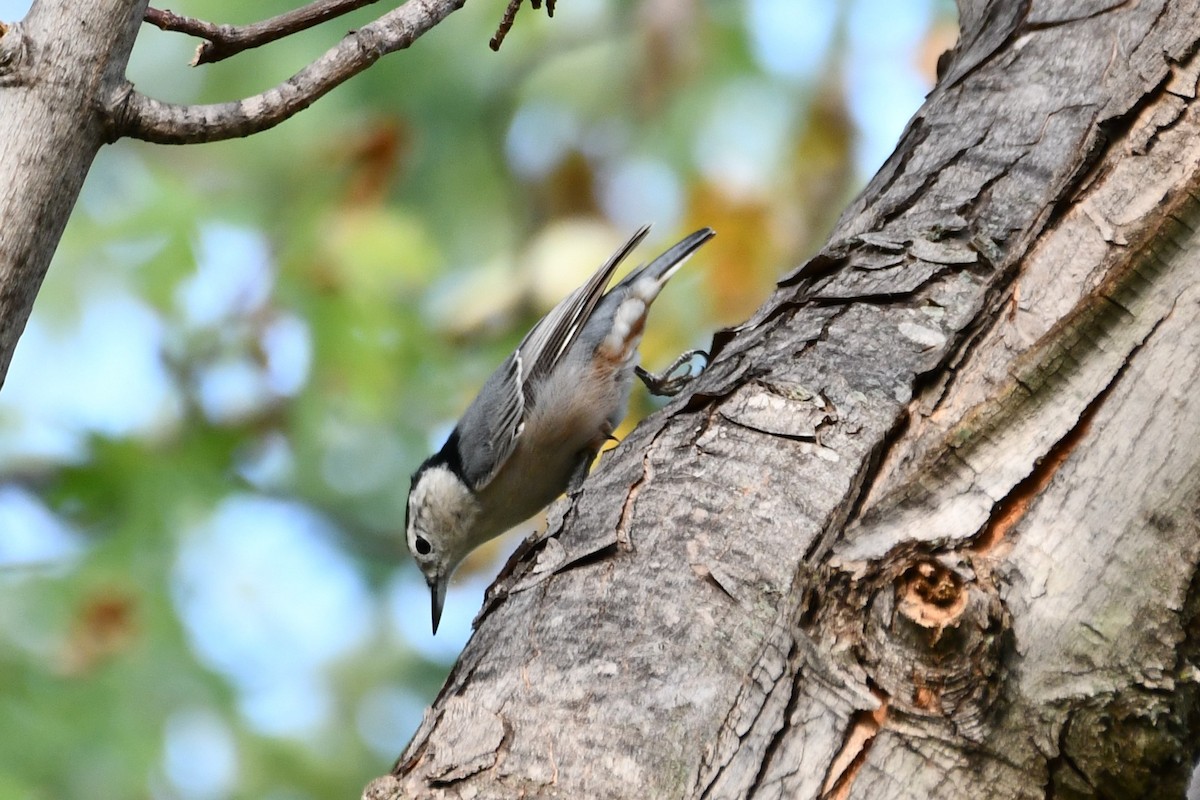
224 41
133 114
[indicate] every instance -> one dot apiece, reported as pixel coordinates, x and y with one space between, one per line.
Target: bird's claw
671 380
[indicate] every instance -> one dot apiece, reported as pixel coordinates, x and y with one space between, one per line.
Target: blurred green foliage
416 221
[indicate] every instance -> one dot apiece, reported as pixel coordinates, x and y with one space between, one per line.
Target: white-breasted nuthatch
539 420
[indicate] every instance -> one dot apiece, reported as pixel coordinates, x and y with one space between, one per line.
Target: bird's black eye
423 546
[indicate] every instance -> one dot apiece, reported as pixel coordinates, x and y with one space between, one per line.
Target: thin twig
510 14
133 114
167 20
506 23
224 41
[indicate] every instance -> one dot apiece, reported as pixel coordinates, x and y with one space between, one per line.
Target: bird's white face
441 517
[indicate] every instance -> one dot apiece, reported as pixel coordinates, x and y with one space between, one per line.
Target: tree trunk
927 526
57 70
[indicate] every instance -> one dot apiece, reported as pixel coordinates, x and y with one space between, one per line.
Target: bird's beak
437 598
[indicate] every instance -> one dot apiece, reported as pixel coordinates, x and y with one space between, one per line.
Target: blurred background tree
243 349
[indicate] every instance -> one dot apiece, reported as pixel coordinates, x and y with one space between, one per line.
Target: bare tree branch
133 114
510 15
506 23
229 40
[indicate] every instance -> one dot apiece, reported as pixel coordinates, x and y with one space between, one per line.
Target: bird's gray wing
545 344
510 388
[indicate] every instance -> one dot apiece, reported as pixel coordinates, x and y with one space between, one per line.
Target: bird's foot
671 380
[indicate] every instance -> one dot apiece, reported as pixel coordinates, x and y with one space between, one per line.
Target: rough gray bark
57 69
927 527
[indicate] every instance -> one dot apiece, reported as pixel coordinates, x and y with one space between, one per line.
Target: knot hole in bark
934 641
931 595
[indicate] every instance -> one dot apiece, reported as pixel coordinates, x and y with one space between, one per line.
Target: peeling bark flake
465 740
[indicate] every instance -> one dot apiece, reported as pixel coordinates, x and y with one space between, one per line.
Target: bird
537 424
